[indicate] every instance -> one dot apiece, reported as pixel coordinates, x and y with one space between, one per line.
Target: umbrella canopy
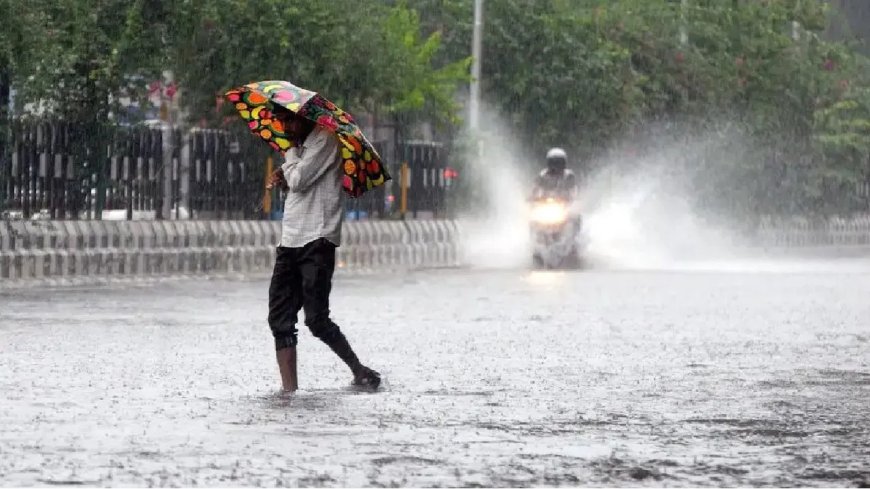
361 163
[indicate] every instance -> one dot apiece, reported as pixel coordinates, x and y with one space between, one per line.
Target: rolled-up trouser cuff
285 341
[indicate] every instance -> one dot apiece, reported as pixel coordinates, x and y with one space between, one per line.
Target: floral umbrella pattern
361 164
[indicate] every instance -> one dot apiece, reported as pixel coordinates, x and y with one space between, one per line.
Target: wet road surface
723 376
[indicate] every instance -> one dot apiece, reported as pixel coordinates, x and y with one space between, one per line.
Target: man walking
305 261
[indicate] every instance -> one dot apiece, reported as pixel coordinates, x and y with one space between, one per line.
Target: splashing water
498 236
638 213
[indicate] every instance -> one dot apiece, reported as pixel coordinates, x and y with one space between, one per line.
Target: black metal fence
60 171
226 174
427 182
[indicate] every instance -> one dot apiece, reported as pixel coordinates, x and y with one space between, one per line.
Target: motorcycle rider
556 181
557 243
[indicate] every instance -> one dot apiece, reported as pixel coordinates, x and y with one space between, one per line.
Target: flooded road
713 376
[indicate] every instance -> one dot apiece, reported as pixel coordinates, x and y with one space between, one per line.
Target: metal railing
59 171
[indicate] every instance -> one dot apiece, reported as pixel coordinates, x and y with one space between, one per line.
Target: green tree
381 65
592 74
76 59
90 54
585 74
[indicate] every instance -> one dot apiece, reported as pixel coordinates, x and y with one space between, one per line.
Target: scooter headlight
549 213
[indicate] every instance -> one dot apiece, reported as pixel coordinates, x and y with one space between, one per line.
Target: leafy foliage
778 107
594 76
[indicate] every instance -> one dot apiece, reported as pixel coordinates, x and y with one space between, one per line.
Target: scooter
556 234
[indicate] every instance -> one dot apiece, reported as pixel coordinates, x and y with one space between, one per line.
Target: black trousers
302 279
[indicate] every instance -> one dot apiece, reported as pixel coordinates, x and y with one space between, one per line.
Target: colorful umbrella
361 164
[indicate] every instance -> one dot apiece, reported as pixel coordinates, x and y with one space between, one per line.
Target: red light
450 173
391 198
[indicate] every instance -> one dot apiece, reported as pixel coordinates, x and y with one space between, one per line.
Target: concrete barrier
79 251
801 232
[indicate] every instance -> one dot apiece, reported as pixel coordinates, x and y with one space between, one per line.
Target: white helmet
557 159
557 153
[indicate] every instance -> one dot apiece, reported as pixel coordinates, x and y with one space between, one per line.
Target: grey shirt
314 205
